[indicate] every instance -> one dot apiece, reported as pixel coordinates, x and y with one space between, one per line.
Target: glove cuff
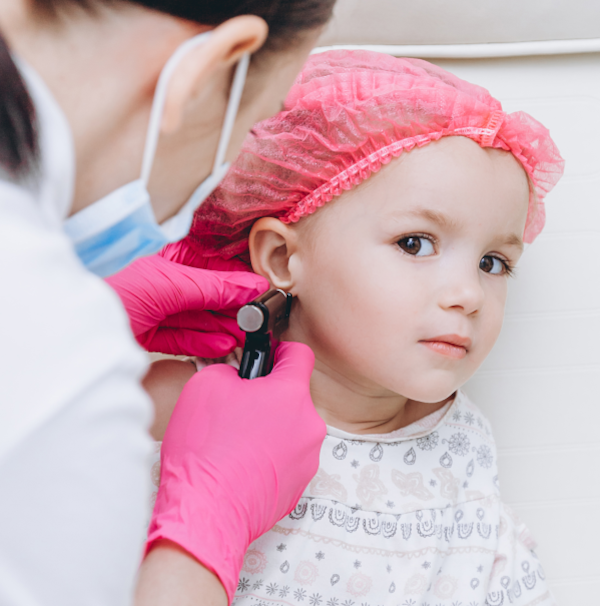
188 520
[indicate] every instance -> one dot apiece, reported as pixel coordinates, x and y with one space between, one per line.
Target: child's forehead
450 184
442 170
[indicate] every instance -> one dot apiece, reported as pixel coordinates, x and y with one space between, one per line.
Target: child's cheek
492 317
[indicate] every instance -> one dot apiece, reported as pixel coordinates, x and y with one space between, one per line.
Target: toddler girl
392 199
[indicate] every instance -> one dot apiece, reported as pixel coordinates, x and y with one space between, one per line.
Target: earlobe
272 244
209 61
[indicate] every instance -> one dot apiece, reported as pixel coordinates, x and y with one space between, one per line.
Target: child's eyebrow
514 240
446 222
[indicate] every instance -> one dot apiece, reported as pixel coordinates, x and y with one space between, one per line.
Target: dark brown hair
287 21
18 141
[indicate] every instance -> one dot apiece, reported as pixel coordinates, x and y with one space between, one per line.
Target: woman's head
393 200
127 45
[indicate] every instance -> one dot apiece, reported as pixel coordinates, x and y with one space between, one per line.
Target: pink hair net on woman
348 114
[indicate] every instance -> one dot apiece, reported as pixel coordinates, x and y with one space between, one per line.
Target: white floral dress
408 518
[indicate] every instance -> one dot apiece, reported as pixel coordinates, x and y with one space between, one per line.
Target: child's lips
453 346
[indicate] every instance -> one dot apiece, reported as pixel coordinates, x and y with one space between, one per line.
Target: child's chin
430 392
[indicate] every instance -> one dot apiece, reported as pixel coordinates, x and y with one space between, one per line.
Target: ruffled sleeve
517 576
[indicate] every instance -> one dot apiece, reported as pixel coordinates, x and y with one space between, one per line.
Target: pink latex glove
235 459
169 305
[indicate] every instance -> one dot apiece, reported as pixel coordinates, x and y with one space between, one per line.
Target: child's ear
271 244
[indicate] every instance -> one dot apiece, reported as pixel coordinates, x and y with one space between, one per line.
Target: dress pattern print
408 518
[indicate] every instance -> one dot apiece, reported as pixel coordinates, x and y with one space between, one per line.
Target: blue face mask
119 228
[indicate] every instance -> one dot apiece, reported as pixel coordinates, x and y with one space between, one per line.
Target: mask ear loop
235 96
220 167
178 225
158 104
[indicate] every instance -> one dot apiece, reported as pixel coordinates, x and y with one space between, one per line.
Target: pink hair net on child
348 114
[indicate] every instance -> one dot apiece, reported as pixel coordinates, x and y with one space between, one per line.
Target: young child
392 199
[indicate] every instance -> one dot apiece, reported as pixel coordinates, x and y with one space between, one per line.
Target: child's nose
463 291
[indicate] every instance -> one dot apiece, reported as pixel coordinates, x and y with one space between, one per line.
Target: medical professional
116 120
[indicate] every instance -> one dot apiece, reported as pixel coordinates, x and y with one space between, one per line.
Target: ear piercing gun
259 319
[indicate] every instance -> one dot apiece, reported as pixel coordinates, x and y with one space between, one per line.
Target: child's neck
351 407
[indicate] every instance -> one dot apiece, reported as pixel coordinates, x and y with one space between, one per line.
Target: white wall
461 21
540 387
541 384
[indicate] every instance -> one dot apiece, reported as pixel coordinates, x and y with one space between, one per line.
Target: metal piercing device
258 319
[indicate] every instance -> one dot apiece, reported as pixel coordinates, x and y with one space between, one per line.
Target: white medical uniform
74 446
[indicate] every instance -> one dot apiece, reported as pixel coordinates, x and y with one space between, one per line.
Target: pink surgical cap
348 114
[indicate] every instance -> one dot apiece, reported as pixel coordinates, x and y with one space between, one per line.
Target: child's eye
418 246
494 265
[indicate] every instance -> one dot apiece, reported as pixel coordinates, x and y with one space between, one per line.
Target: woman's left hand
181 310
235 459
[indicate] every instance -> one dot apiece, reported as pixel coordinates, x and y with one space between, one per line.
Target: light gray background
541 385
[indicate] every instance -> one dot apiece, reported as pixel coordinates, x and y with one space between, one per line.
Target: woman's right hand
175 307
235 459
